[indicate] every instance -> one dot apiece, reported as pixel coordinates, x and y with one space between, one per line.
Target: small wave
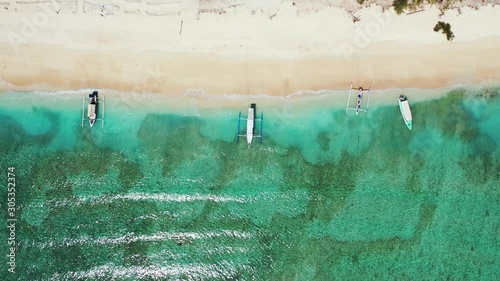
160 197
201 93
131 238
222 270
170 197
209 251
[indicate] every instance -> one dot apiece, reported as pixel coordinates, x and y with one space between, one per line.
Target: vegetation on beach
402 6
445 28
411 6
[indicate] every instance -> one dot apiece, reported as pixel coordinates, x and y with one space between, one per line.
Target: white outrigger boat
359 98
404 107
250 132
93 109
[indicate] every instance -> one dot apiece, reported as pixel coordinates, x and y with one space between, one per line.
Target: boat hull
92 108
250 124
404 108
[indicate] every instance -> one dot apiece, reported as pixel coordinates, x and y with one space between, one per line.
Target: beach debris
414 12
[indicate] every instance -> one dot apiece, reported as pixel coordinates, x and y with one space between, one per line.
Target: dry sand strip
272 48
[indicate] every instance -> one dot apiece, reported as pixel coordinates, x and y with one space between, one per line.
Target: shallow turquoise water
166 193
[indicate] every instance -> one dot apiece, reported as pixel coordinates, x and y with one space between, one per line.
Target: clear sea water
163 192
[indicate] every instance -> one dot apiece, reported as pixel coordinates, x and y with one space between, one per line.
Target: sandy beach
269 48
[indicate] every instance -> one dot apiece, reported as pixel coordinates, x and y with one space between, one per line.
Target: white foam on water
131 238
165 255
171 197
159 197
222 270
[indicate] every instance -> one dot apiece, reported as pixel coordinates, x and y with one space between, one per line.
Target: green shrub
400 6
445 28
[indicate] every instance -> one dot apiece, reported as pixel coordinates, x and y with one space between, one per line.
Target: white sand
240 47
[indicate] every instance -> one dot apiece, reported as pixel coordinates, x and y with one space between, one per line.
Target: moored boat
404 107
92 108
250 123
251 120
359 97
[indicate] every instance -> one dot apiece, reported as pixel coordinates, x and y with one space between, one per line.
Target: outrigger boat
404 107
250 132
94 107
359 97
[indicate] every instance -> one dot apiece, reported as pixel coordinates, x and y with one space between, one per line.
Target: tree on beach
445 28
413 6
400 6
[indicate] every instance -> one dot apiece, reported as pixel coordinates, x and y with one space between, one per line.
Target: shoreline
190 101
237 53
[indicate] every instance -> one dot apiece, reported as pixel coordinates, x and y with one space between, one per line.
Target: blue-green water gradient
163 191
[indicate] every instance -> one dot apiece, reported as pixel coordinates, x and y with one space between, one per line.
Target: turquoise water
164 192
